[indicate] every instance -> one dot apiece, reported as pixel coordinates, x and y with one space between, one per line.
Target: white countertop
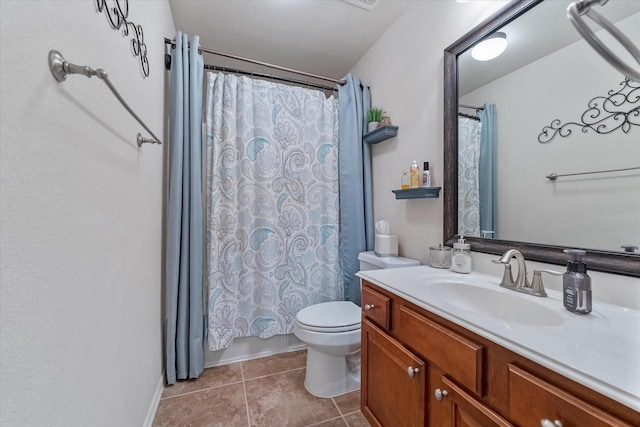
600 350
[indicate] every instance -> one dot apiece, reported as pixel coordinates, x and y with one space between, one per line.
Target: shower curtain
356 204
476 174
184 322
272 227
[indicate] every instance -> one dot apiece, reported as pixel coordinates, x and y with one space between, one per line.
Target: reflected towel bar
61 68
555 176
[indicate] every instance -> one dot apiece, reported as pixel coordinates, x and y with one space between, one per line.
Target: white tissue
382 227
385 244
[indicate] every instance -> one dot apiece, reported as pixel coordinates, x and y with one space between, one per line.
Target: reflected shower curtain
272 205
476 174
487 171
184 323
468 180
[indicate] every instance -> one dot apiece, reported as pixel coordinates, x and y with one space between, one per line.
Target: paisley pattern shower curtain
468 179
272 224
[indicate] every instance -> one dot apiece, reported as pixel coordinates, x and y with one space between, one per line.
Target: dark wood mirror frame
611 262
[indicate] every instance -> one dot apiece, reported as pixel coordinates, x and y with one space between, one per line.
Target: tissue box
386 245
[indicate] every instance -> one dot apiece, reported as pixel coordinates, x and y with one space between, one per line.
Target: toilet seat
330 317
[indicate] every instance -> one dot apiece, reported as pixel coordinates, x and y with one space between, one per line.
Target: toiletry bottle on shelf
414 175
461 256
404 183
426 175
576 284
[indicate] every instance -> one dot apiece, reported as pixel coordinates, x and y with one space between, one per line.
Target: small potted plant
374 114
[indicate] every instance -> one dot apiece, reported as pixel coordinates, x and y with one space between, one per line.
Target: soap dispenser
576 284
461 256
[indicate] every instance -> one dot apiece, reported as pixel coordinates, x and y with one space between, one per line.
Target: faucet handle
537 287
507 277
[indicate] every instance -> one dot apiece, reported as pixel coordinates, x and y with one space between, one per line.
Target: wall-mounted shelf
381 134
418 193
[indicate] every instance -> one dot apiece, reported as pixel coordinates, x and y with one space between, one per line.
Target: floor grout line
199 390
339 411
274 373
246 399
324 421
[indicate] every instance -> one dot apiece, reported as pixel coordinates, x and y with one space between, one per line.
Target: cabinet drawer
376 307
531 400
453 353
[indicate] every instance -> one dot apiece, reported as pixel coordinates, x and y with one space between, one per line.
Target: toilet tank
371 261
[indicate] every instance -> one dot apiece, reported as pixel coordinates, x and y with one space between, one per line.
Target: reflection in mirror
498 156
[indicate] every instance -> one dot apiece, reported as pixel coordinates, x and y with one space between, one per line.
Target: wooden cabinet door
393 381
460 409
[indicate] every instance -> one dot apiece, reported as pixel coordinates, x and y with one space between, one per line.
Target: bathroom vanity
440 348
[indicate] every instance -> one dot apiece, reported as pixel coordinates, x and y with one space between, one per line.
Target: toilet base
330 376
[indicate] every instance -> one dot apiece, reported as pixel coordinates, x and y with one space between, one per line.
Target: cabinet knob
369 307
548 423
412 371
441 394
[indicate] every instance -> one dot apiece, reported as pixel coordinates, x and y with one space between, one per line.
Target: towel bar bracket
142 140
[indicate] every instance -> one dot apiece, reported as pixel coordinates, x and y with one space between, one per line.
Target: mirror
540 226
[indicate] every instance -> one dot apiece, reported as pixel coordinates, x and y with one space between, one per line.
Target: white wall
81 218
405 71
530 207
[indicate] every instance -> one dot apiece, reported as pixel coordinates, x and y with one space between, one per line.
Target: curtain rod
269 76
265 64
471 107
469 116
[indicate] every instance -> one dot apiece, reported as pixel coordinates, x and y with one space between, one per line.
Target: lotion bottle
461 256
426 175
576 284
414 175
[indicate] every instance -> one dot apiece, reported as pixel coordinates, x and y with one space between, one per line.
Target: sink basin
504 305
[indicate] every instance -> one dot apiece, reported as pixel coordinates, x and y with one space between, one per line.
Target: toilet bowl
331 331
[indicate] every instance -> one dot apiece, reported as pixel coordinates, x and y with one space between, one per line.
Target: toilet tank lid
387 261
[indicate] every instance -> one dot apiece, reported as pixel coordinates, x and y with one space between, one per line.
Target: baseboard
153 406
248 348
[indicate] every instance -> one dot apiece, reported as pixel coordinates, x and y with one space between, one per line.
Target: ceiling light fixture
365 4
490 48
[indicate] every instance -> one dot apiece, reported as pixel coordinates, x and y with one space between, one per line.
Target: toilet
331 331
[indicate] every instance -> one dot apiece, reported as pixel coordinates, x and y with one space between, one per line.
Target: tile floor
261 392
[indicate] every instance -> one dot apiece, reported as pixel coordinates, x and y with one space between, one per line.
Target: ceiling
541 31
323 37
328 37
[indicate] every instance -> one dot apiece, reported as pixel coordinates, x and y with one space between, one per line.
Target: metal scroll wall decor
605 114
118 15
